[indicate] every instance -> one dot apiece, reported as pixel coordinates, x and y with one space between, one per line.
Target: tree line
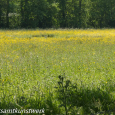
57 13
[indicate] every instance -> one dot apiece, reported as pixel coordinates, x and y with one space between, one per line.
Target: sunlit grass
31 60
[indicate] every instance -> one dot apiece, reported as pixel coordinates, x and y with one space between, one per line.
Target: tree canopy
57 13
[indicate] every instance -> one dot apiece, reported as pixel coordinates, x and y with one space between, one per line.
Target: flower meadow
36 65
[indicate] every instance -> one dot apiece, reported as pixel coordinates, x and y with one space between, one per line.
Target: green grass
29 74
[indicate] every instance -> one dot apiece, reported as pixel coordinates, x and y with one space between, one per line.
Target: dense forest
57 13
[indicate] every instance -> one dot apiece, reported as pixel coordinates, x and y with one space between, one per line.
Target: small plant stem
65 98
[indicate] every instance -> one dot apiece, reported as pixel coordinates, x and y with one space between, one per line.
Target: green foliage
63 93
57 13
82 100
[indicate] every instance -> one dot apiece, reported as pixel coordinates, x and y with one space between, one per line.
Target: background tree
62 12
2 13
101 11
111 14
7 12
51 14
57 13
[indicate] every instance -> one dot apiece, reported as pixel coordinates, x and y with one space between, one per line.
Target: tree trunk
7 17
80 2
0 14
22 12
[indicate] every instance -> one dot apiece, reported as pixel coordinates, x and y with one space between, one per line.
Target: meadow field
63 71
